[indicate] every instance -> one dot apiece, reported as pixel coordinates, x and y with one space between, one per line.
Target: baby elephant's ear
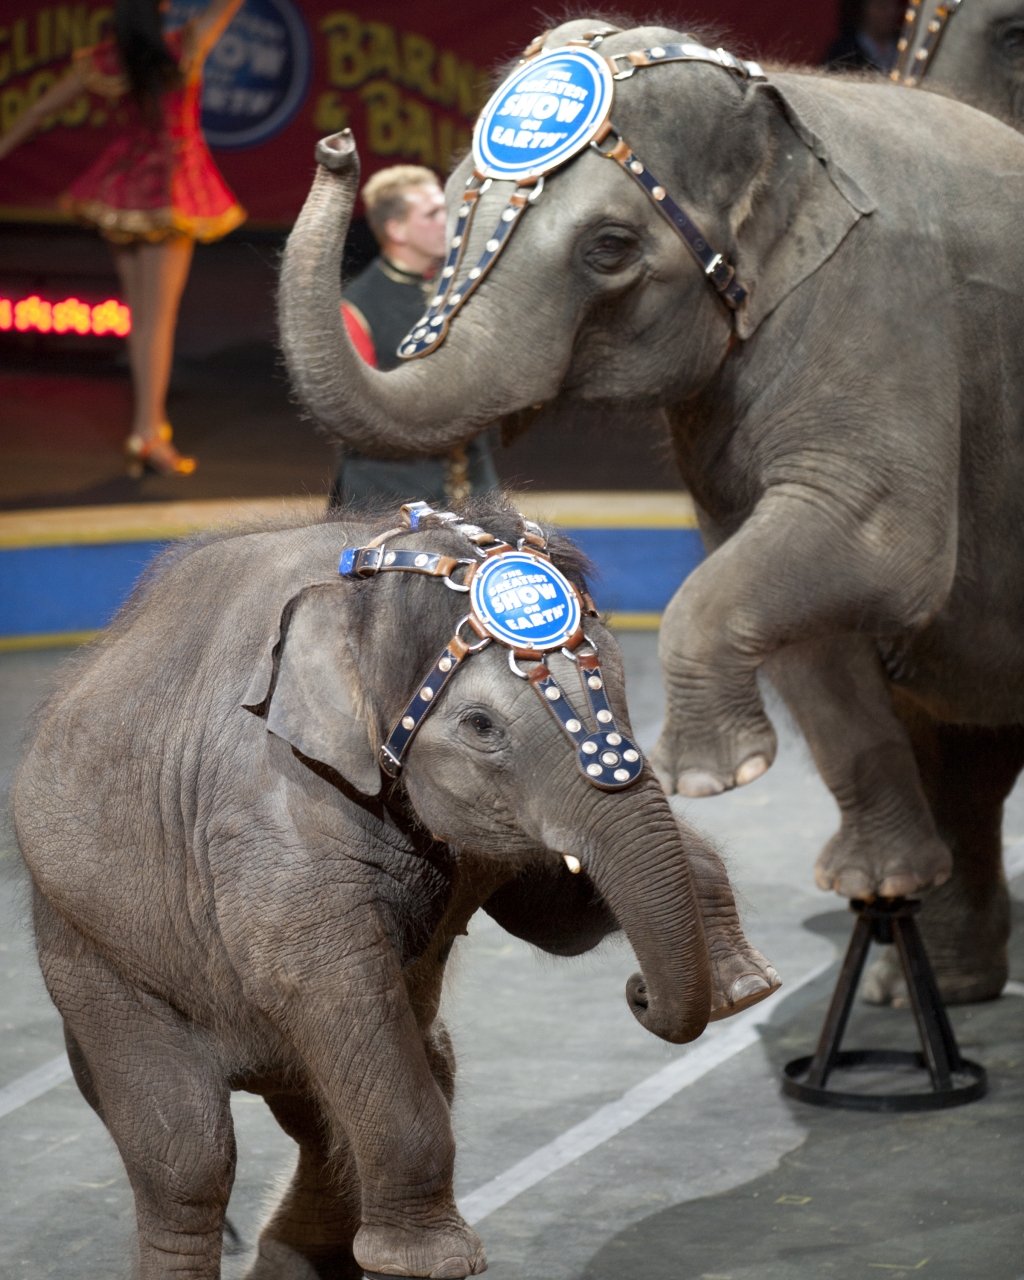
307 687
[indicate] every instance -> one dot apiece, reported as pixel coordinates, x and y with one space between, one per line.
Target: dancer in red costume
152 193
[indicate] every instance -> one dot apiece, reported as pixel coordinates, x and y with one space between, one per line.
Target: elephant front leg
800 566
377 1079
887 843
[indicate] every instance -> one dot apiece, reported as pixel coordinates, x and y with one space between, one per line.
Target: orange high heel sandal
156 454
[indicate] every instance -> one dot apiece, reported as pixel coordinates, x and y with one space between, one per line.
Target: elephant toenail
750 770
747 986
697 784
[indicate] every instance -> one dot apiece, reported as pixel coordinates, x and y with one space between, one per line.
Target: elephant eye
1012 38
481 731
613 251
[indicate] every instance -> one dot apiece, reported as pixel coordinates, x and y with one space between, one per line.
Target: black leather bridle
454 290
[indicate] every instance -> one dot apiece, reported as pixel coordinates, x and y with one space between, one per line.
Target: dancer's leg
153 277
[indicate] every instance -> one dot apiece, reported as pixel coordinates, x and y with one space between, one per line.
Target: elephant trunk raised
633 851
410 410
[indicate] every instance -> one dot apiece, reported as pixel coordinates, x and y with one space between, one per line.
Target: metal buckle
616 73
456 586
471 648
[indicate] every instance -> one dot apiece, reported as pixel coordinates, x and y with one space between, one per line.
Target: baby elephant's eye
483 724
1012 39
614 251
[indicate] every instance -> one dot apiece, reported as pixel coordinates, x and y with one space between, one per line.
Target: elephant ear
306 686
820 211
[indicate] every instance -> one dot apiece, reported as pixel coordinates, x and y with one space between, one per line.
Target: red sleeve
359 332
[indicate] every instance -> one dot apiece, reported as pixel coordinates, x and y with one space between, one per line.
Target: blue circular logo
257 74
524 602
545 112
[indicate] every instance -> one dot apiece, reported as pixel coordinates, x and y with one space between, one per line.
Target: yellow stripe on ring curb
162 521
53 640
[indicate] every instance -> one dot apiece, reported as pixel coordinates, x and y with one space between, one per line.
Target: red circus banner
408 78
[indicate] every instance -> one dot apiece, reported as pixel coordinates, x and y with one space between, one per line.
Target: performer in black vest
405 209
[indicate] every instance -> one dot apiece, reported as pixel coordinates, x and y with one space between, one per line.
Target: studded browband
513 591
909 70
429 332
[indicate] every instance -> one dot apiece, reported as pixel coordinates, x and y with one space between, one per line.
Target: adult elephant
976 54
851 434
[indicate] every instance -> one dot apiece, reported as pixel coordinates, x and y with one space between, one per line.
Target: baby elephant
235 887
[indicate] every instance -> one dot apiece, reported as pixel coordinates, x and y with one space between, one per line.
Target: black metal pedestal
889 922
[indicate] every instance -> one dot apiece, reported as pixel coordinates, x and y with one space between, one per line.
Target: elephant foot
965 935
276 1260
447 1253
740 975
884 982
697 765
857 864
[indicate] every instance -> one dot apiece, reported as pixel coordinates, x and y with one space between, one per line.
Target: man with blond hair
405 209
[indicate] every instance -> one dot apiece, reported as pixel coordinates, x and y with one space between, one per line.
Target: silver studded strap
911 65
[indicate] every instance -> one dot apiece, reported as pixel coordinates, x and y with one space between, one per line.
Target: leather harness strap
718 270
911 66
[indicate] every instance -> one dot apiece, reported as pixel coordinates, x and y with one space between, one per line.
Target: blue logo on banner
525 602
544 113
257 75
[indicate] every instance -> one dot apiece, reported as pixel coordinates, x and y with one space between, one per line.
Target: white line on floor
35 1083
634 1104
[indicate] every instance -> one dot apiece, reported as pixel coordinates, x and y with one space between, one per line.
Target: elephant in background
852 436
229 894
980 56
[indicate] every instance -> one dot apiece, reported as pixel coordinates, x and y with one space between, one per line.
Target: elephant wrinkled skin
851 435
228 894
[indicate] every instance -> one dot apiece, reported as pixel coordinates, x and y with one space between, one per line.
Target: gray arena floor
588 1150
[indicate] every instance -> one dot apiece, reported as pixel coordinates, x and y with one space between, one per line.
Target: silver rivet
448 271
552 694
609 758
445 664
421 560
437 320
613 739
491 245
621 775
636 166
408 722
590 747
573 726
437 299
409 350
658 193
455 299
595 682
426 693
933 27
419 333
389 558
657 51
508 215
456 241
921 53
594 770
485 185
463 210
631 755
604 716
475 273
